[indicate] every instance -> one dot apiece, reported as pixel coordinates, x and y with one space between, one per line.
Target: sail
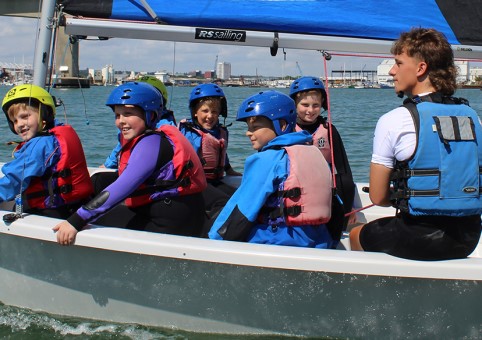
354 20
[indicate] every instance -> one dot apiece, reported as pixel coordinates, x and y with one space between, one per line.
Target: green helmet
29 93
157 84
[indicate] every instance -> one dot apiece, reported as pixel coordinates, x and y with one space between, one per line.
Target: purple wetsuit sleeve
141 165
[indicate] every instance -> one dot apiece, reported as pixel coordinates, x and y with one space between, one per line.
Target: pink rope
332 155
359 209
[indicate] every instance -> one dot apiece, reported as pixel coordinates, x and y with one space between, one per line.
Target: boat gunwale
247 254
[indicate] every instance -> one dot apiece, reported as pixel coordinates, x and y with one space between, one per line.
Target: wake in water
19 323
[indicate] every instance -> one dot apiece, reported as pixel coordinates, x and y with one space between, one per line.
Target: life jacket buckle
293 211
189 165
65 189
62 173
185 182
291 193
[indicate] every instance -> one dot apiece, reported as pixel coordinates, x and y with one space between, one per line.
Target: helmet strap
41 122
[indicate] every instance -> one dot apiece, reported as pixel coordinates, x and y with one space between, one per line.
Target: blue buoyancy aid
443 177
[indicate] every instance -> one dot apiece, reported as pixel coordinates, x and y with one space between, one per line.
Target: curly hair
432 47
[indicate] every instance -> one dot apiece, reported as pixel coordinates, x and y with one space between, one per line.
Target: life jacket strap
404 173
292 193
64 173
63 189
406 193
274 213
215 171
182 181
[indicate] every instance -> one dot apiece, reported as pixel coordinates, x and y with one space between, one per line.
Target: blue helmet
273 105
307 84
143 95
208 90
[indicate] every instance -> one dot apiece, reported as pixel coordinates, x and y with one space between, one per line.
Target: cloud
18 36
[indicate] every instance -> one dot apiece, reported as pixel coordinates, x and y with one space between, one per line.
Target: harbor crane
215 72
299 69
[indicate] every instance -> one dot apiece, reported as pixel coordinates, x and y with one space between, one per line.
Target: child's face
130 121
309 106
260 131
207 115
26 123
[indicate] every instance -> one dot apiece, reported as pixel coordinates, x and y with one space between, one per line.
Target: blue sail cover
459 20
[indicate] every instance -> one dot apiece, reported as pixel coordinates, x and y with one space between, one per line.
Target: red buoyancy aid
70 181
307 192
190 178
321 141
213 152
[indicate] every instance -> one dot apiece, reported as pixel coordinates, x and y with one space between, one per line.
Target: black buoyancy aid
189 175
70 180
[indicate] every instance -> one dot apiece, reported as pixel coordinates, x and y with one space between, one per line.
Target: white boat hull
226 287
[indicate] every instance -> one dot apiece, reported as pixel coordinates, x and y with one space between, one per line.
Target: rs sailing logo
216 34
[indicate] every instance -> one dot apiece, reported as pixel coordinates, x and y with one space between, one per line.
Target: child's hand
232 172
65 233
352 219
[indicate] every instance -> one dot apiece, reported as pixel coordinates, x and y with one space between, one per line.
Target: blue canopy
459 20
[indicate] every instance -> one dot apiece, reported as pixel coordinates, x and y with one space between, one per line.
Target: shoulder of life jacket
322 141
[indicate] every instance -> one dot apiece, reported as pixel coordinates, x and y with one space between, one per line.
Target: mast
42 50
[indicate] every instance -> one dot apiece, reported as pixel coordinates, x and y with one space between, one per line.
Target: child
160 176
310 97
49 168
210 140
207 102
167 117
282 200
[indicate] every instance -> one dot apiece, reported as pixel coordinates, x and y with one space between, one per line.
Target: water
354 113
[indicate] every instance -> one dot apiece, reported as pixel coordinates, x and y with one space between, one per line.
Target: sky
17 36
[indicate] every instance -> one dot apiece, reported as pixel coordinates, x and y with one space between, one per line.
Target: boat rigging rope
326 57
358 210
152 13
173 72
385 57
68 47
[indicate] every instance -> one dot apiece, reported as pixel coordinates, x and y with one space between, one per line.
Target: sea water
353 111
